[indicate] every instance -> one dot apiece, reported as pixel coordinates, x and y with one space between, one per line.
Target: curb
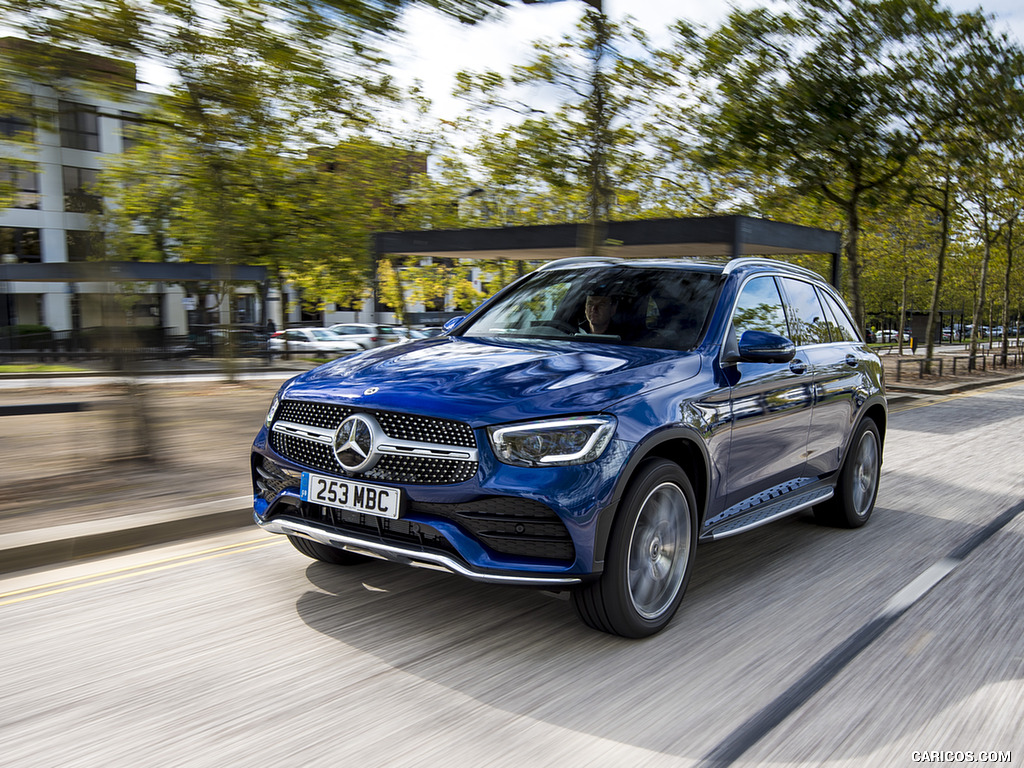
77 541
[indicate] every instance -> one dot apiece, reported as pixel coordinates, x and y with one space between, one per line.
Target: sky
434 48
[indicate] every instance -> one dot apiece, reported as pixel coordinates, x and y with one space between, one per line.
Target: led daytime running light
553 443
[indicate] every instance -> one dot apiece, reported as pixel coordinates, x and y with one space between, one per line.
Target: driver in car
599 311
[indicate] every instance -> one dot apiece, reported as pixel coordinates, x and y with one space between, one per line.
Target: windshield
622 304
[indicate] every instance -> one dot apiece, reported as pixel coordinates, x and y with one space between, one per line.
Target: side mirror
764 347
452 324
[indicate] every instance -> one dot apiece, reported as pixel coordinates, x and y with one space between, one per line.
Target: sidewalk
904 375
73 485
76 484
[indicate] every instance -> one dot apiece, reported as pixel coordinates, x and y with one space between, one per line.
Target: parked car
304 340
582 430
892 335
224 341
423 333
368 335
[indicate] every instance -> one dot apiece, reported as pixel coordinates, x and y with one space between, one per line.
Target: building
68 131
52 147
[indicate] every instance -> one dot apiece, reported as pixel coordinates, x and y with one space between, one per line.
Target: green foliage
835 98
896 121
576 152
390 288
241 159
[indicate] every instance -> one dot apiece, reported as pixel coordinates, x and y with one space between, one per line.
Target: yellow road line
943 399
119 574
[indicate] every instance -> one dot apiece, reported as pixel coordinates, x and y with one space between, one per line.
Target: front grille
324 415
404 426
420 470
411 470
305 452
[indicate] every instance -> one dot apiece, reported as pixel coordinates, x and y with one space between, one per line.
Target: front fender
681 444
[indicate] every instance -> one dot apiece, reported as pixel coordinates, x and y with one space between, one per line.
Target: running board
763 514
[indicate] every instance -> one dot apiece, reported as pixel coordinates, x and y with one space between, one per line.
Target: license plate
351 495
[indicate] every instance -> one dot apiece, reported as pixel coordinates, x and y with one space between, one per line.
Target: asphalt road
796 645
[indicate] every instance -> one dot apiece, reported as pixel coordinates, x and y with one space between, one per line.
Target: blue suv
582 430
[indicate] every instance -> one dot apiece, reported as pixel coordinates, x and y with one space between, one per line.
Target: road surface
901 643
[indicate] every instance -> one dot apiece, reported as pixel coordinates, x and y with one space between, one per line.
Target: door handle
797 366
851 360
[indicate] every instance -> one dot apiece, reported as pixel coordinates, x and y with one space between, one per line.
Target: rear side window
807 319
841 327
759 308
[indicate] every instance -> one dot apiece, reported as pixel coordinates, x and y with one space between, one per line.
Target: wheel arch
681 446
878 413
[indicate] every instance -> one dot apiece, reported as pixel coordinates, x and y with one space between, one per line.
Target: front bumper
406 555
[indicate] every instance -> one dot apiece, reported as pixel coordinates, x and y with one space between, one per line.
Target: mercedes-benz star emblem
353 443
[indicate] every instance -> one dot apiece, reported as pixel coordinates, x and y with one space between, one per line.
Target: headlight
273 409
553 443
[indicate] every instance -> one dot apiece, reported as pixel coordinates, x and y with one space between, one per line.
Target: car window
619 304
842 327
294 336
759 308
806 317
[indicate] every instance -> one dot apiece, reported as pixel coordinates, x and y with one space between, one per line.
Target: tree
576 147
898 244
972 105
824 95
255 87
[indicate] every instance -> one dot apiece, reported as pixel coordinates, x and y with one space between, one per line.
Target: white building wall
51 220
51 303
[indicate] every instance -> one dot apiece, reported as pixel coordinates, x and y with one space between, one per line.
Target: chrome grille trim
316 434
431 450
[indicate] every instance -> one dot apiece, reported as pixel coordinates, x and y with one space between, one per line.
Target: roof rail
748 261
570 260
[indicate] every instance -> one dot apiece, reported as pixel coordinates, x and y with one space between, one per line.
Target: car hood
489 382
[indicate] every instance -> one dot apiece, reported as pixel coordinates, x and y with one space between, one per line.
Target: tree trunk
853 259
979 304
598 193
1006 293
940 266
903 314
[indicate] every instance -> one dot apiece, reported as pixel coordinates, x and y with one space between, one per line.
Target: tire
857 488
650 556
326 554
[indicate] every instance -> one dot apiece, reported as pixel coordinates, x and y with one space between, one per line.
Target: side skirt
767 512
